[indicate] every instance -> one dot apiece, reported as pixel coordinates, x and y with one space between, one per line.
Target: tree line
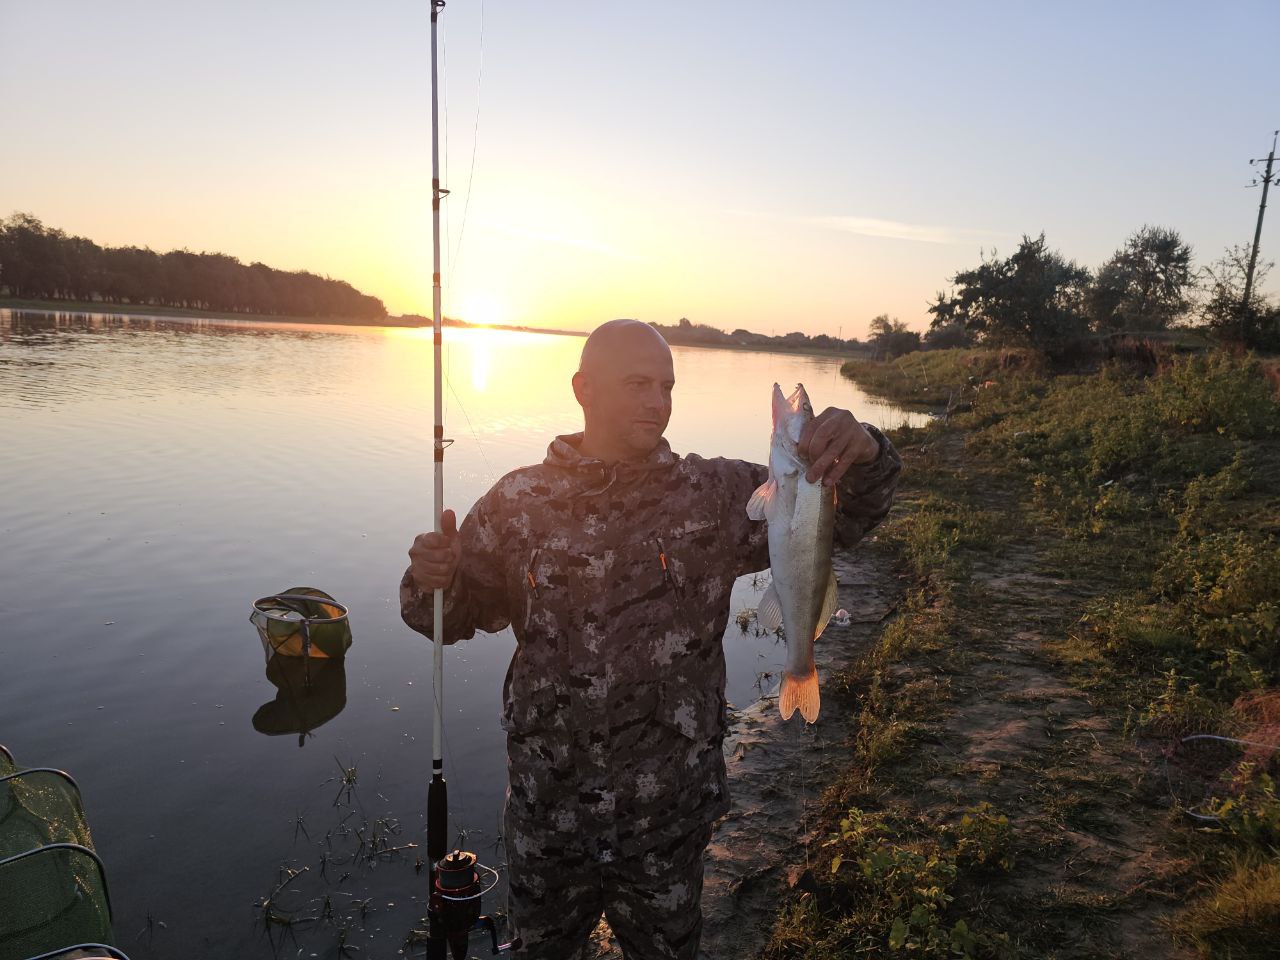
685 332
44 263
1037 297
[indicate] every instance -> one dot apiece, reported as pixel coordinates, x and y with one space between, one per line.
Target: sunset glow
482 309
800 168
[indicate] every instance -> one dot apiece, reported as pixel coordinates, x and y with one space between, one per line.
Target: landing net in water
302 622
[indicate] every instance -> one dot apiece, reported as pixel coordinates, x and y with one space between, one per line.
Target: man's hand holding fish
834 441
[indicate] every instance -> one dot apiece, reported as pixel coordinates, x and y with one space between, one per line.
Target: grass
884 883
1240 916
938 378
1149 498
888 878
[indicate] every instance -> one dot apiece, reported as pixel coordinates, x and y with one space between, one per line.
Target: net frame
276 630
104 952
1203 768
58 823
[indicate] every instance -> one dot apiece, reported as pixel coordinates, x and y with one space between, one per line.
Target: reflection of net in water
1206 770
308 695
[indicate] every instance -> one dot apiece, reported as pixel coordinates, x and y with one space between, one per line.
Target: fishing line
475 138
444 737
490 475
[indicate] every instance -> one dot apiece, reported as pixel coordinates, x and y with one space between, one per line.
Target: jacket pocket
691 551
690 577
546 592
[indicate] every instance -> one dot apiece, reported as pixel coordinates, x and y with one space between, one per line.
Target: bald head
610 343
624 384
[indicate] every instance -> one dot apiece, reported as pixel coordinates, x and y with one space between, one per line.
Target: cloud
894 230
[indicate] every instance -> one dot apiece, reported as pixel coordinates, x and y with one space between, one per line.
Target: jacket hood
596 475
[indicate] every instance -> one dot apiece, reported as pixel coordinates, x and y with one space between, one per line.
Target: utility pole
1257 235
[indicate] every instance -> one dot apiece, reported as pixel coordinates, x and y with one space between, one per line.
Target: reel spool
458 883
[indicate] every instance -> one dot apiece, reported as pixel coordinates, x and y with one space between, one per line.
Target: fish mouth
798 400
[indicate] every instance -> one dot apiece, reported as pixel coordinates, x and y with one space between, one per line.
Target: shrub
1216 392
1180 712
983 838
1252 815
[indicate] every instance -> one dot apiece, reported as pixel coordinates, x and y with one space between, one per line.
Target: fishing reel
458 884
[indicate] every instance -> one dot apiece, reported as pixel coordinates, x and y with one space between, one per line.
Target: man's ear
581 388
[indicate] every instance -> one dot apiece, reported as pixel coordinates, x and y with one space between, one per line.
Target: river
158 475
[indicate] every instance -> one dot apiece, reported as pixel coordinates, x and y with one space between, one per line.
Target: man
613 563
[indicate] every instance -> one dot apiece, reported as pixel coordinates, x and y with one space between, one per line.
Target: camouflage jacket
616 579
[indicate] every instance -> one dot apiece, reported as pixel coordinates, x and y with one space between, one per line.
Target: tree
1145 284
39 262
947 336
1222 307
1035 298
891 337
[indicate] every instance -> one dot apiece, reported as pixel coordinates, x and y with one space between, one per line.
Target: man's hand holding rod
434 557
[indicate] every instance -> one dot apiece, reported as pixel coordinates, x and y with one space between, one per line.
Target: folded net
53 891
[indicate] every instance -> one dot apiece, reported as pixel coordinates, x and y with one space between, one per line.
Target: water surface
160 474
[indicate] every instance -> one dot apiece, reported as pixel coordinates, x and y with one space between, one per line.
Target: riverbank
409 321
160 312
1083 571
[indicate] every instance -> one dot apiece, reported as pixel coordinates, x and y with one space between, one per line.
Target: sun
482 309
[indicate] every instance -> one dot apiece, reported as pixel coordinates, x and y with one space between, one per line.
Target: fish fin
828 606
800 692
769 613
761 503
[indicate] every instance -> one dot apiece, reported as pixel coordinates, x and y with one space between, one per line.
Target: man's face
626 398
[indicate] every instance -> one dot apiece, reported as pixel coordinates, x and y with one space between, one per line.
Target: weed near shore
1121 531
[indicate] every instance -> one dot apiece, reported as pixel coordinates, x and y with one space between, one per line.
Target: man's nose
655 397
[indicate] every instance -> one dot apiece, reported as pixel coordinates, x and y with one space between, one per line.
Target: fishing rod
458 880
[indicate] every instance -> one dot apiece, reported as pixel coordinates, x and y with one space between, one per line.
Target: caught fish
801 518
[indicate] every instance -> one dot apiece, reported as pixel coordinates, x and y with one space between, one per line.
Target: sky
774 166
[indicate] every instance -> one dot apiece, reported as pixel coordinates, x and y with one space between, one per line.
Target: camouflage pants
650 893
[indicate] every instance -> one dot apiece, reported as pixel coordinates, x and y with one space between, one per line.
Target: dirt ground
1097 869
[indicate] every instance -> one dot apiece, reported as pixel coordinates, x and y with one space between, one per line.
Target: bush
1182 711
896 897
1226 588
983 838
1252 815
1216 393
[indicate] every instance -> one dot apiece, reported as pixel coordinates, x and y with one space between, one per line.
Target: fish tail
800 692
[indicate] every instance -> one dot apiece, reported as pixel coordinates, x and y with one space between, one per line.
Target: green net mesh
52 890
302 622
